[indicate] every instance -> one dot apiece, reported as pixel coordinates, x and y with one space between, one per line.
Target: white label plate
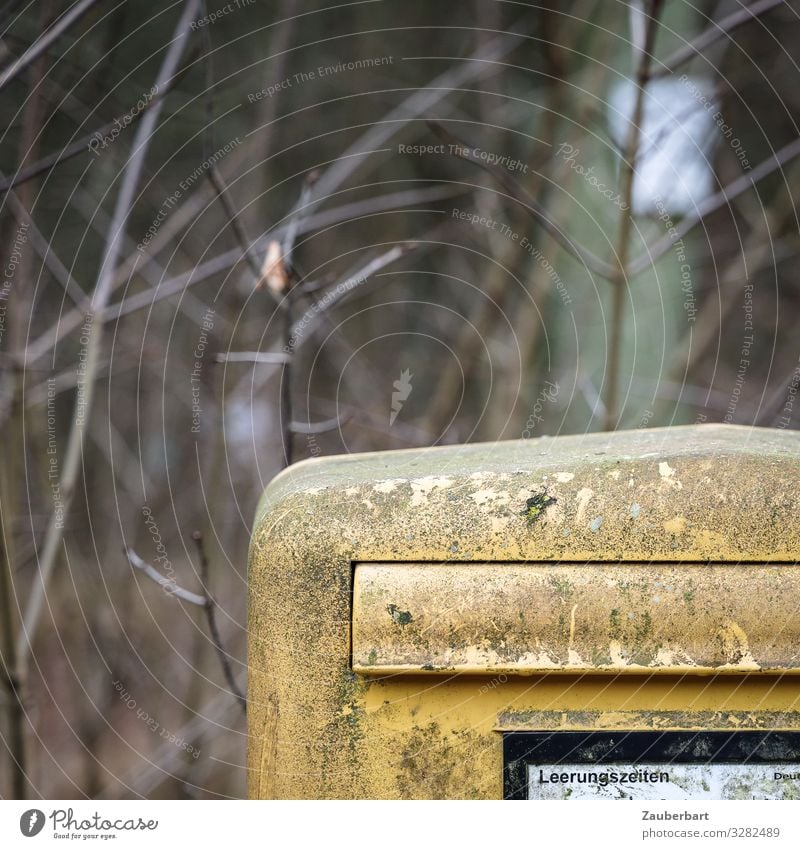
664 781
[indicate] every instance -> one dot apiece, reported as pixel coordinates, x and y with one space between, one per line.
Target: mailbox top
352 558
697 492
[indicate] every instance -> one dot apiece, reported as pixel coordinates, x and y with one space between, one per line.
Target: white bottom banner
400 825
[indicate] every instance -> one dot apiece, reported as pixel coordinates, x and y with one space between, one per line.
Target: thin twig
287 315
64 23
293 225
527 202
49 162
345 213
211 617
300 331
169 585
83 402
152 272
183 216
11 682
48 256
715 32
325 426
484 60
757 253
287 305
83 144
14 432
619 278
224 261
266 357
67 379
717 201
248 251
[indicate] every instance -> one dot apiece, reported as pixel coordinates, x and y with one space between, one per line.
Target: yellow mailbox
607 615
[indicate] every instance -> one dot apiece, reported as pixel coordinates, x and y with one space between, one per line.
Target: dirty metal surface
526 618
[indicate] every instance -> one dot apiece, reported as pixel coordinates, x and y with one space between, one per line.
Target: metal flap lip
519 618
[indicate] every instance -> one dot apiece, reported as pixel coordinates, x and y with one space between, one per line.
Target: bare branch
267 357
48 162
320 427
715 32
183 216
293 227
64 381
248 251
59 27
169 585
223 262
206 270
301 329
717 201
287 304
211 617
83 402
482 61
620 275
152 272
45 250
83 144
527 202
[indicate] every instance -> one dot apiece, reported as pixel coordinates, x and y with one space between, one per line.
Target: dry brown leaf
273 270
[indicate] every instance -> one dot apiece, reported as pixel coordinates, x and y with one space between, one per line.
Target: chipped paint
736 646
616 654
388 486
499 523
583 497
490 499
423 487
667 474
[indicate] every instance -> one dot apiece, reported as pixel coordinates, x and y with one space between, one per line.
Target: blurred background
239 235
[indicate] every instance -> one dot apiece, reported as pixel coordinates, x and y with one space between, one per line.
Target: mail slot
609 615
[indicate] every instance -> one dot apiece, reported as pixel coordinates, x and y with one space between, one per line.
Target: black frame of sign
524 748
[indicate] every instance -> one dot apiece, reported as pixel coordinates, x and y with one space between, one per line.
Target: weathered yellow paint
525 618
682 500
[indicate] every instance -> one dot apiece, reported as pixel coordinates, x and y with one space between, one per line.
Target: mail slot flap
526 618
